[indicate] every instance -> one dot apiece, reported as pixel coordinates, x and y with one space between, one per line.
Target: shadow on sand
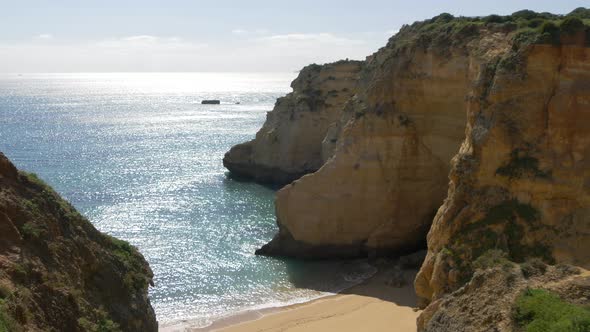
387 280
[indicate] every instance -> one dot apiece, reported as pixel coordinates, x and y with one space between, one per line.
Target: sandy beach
374 305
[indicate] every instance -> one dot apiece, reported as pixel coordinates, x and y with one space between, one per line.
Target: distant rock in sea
211 102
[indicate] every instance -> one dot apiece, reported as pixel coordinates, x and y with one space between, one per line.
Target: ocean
141 158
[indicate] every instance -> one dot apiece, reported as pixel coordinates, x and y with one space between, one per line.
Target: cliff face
490 300
289 145
57 272
499 105
520 182
388 176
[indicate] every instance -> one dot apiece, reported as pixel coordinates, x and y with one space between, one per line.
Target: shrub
103 325
535 23
135 277
492 258
31 230
466 30
525 14
314 67
34 178
549 33
444 17
533 267
580 12
538 310
572 25
495 19
521 164
3 323
5 289
7 323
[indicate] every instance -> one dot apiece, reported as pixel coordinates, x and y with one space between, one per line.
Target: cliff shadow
231 177
384 279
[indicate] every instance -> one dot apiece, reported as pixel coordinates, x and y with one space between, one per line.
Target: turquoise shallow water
142 159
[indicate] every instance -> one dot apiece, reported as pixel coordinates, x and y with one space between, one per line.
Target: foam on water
142 159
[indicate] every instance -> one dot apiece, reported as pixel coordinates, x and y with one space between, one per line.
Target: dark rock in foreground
57 272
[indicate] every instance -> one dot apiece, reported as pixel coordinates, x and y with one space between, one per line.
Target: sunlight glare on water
142 158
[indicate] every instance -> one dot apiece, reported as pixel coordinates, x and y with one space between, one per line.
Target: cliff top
528 27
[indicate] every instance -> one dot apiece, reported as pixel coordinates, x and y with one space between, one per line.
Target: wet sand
373 305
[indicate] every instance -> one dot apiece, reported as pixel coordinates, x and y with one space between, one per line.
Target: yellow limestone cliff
388 176
500 107
289 144
521 181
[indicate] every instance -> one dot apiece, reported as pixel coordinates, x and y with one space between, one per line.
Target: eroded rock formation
487 302
289 145
520 182
500 106
57 272
388 176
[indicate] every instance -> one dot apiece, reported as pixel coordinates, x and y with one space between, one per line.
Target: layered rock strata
521 181
289 144
388 176
499 105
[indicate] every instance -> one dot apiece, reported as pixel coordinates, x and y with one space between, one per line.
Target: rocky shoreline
292 141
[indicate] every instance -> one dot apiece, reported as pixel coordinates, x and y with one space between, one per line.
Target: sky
215 35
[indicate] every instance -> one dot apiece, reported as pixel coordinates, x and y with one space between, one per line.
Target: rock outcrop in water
57 272
289 145
500 105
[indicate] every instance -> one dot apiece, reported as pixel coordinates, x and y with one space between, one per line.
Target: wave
344 275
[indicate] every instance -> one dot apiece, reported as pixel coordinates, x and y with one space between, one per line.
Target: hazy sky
215 35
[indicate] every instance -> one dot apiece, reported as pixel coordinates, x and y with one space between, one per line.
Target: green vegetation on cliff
6 322
66 275
528 27
521 164
539 310
135 277
497 239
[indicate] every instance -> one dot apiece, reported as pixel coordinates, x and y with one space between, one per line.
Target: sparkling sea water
142 158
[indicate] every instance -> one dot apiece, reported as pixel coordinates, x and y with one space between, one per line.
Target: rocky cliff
520 182
499 106
495 299
57 272
290 143
516 86
388 176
